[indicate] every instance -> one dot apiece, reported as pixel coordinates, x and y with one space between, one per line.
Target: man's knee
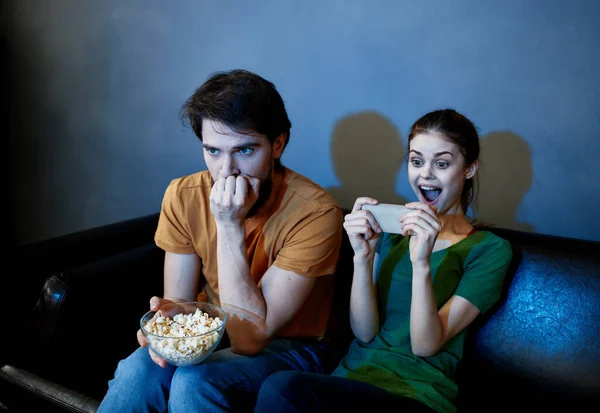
137 373
129 369
202 379
138 385
200 388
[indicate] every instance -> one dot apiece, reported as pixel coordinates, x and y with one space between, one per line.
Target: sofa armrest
86 319
37 261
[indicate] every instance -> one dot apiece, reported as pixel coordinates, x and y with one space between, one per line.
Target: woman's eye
442 165
416 162
246 151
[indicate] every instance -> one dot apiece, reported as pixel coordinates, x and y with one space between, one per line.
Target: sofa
73 303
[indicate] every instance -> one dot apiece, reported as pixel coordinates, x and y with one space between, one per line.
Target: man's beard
264 192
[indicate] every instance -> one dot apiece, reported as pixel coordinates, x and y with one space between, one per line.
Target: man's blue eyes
243 151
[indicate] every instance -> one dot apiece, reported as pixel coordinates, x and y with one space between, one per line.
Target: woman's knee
281 383
284 391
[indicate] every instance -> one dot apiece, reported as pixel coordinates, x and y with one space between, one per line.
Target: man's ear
472 170
279 145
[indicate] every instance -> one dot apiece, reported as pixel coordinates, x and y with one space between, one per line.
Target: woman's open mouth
430 193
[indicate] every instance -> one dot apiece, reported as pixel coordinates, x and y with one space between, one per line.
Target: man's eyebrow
247 145
236 147
435 154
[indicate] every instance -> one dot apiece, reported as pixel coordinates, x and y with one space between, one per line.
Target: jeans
223 382
292 391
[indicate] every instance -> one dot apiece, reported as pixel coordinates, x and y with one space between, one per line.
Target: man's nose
229 167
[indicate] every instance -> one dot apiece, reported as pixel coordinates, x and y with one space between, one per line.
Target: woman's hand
363 231
422 220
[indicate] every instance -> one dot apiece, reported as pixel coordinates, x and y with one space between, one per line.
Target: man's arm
255 312
182 274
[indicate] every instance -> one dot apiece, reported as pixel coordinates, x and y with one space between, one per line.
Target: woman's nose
426 172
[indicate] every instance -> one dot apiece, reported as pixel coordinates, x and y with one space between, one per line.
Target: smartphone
387 216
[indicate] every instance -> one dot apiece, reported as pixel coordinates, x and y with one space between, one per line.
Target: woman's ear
279 145
472 170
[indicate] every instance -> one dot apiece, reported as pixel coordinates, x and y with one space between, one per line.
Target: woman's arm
364 316
363 233
431 329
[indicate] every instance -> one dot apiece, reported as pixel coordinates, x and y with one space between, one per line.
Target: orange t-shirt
301 233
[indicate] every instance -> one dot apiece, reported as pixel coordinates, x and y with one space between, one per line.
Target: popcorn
187 327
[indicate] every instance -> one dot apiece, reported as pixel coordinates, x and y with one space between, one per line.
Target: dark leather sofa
73 303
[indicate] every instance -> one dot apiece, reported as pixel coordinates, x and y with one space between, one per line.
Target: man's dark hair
241 100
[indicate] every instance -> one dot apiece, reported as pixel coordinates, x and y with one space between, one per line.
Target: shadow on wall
367 153
505 176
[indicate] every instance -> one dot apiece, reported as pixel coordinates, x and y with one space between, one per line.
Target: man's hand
161 306
231 198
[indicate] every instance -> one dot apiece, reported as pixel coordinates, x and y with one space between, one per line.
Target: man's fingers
241 188
141 339
230 185
220 184
155 358
155 303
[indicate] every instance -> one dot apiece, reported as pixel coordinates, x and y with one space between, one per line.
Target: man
252 236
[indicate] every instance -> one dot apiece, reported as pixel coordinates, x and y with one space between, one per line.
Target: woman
413 294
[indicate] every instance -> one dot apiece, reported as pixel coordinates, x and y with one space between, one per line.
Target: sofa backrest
541 340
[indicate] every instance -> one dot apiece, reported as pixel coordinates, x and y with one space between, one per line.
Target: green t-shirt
473 268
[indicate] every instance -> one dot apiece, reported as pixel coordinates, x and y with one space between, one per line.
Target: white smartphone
387 216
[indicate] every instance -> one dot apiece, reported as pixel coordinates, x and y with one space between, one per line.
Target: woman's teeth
430 193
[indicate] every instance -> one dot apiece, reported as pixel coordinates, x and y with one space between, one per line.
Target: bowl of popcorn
186 334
